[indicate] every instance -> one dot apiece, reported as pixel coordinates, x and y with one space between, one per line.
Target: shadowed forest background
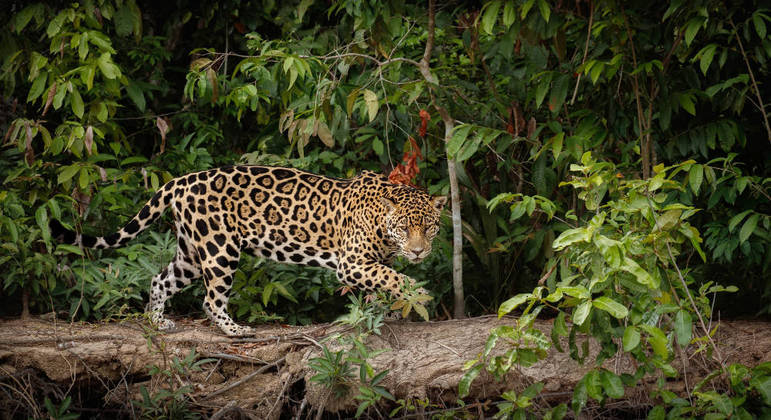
607 161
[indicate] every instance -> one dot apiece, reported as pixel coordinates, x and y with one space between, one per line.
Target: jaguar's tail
151 211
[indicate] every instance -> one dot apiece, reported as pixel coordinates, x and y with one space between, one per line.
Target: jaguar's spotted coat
353 226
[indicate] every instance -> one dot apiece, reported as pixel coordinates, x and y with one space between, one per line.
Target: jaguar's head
412 221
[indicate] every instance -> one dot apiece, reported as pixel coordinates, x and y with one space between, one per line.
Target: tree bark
268 375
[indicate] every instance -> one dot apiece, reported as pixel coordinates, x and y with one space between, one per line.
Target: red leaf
29 153
424 118
405 172
50 99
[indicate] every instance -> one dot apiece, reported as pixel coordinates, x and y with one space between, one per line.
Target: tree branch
761 106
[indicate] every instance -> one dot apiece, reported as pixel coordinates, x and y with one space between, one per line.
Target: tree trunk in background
459 310
457 233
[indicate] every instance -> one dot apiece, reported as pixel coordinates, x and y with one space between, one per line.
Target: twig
302 407
233 357
213 369
761 106
245 378
25 395
644 133
690 296
455 352
230 406
586 49
280 395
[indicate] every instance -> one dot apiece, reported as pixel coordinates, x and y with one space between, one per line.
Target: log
105 365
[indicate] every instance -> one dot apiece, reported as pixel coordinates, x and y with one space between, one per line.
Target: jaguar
355 226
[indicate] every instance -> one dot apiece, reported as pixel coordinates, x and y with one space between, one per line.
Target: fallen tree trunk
105 366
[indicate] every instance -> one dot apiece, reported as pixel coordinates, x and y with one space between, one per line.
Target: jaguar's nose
416 251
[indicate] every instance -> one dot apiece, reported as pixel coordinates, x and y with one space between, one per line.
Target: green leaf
570 237
542 89
55 26
377 146
509 13
465 382
692 28
41 217
580 396
67 173
124 20
107 67
707 54
38 86
762 384
631 338
136 95
266 293
686 101
749 227
582 312
84 178
559 324
490 16
468 149
372 103
737 219
459 135
559 92
695 177
683 330
657 339
760 26
543 6
22 18
87 76
512 303
579 292
101 111
643 277
612 384
610 306
64 248
76 102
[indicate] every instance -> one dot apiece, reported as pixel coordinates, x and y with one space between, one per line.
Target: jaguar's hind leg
218 277
178 274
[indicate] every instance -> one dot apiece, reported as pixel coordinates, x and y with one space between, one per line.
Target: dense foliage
595 143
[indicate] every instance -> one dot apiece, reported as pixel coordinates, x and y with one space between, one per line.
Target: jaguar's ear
388 203
439 202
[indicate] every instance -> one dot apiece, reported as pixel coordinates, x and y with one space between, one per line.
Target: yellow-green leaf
610 306
325 135
582 312
76 102
511 304
490 15
370 98
631 338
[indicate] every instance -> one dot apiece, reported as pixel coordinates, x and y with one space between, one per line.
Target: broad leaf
610 306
